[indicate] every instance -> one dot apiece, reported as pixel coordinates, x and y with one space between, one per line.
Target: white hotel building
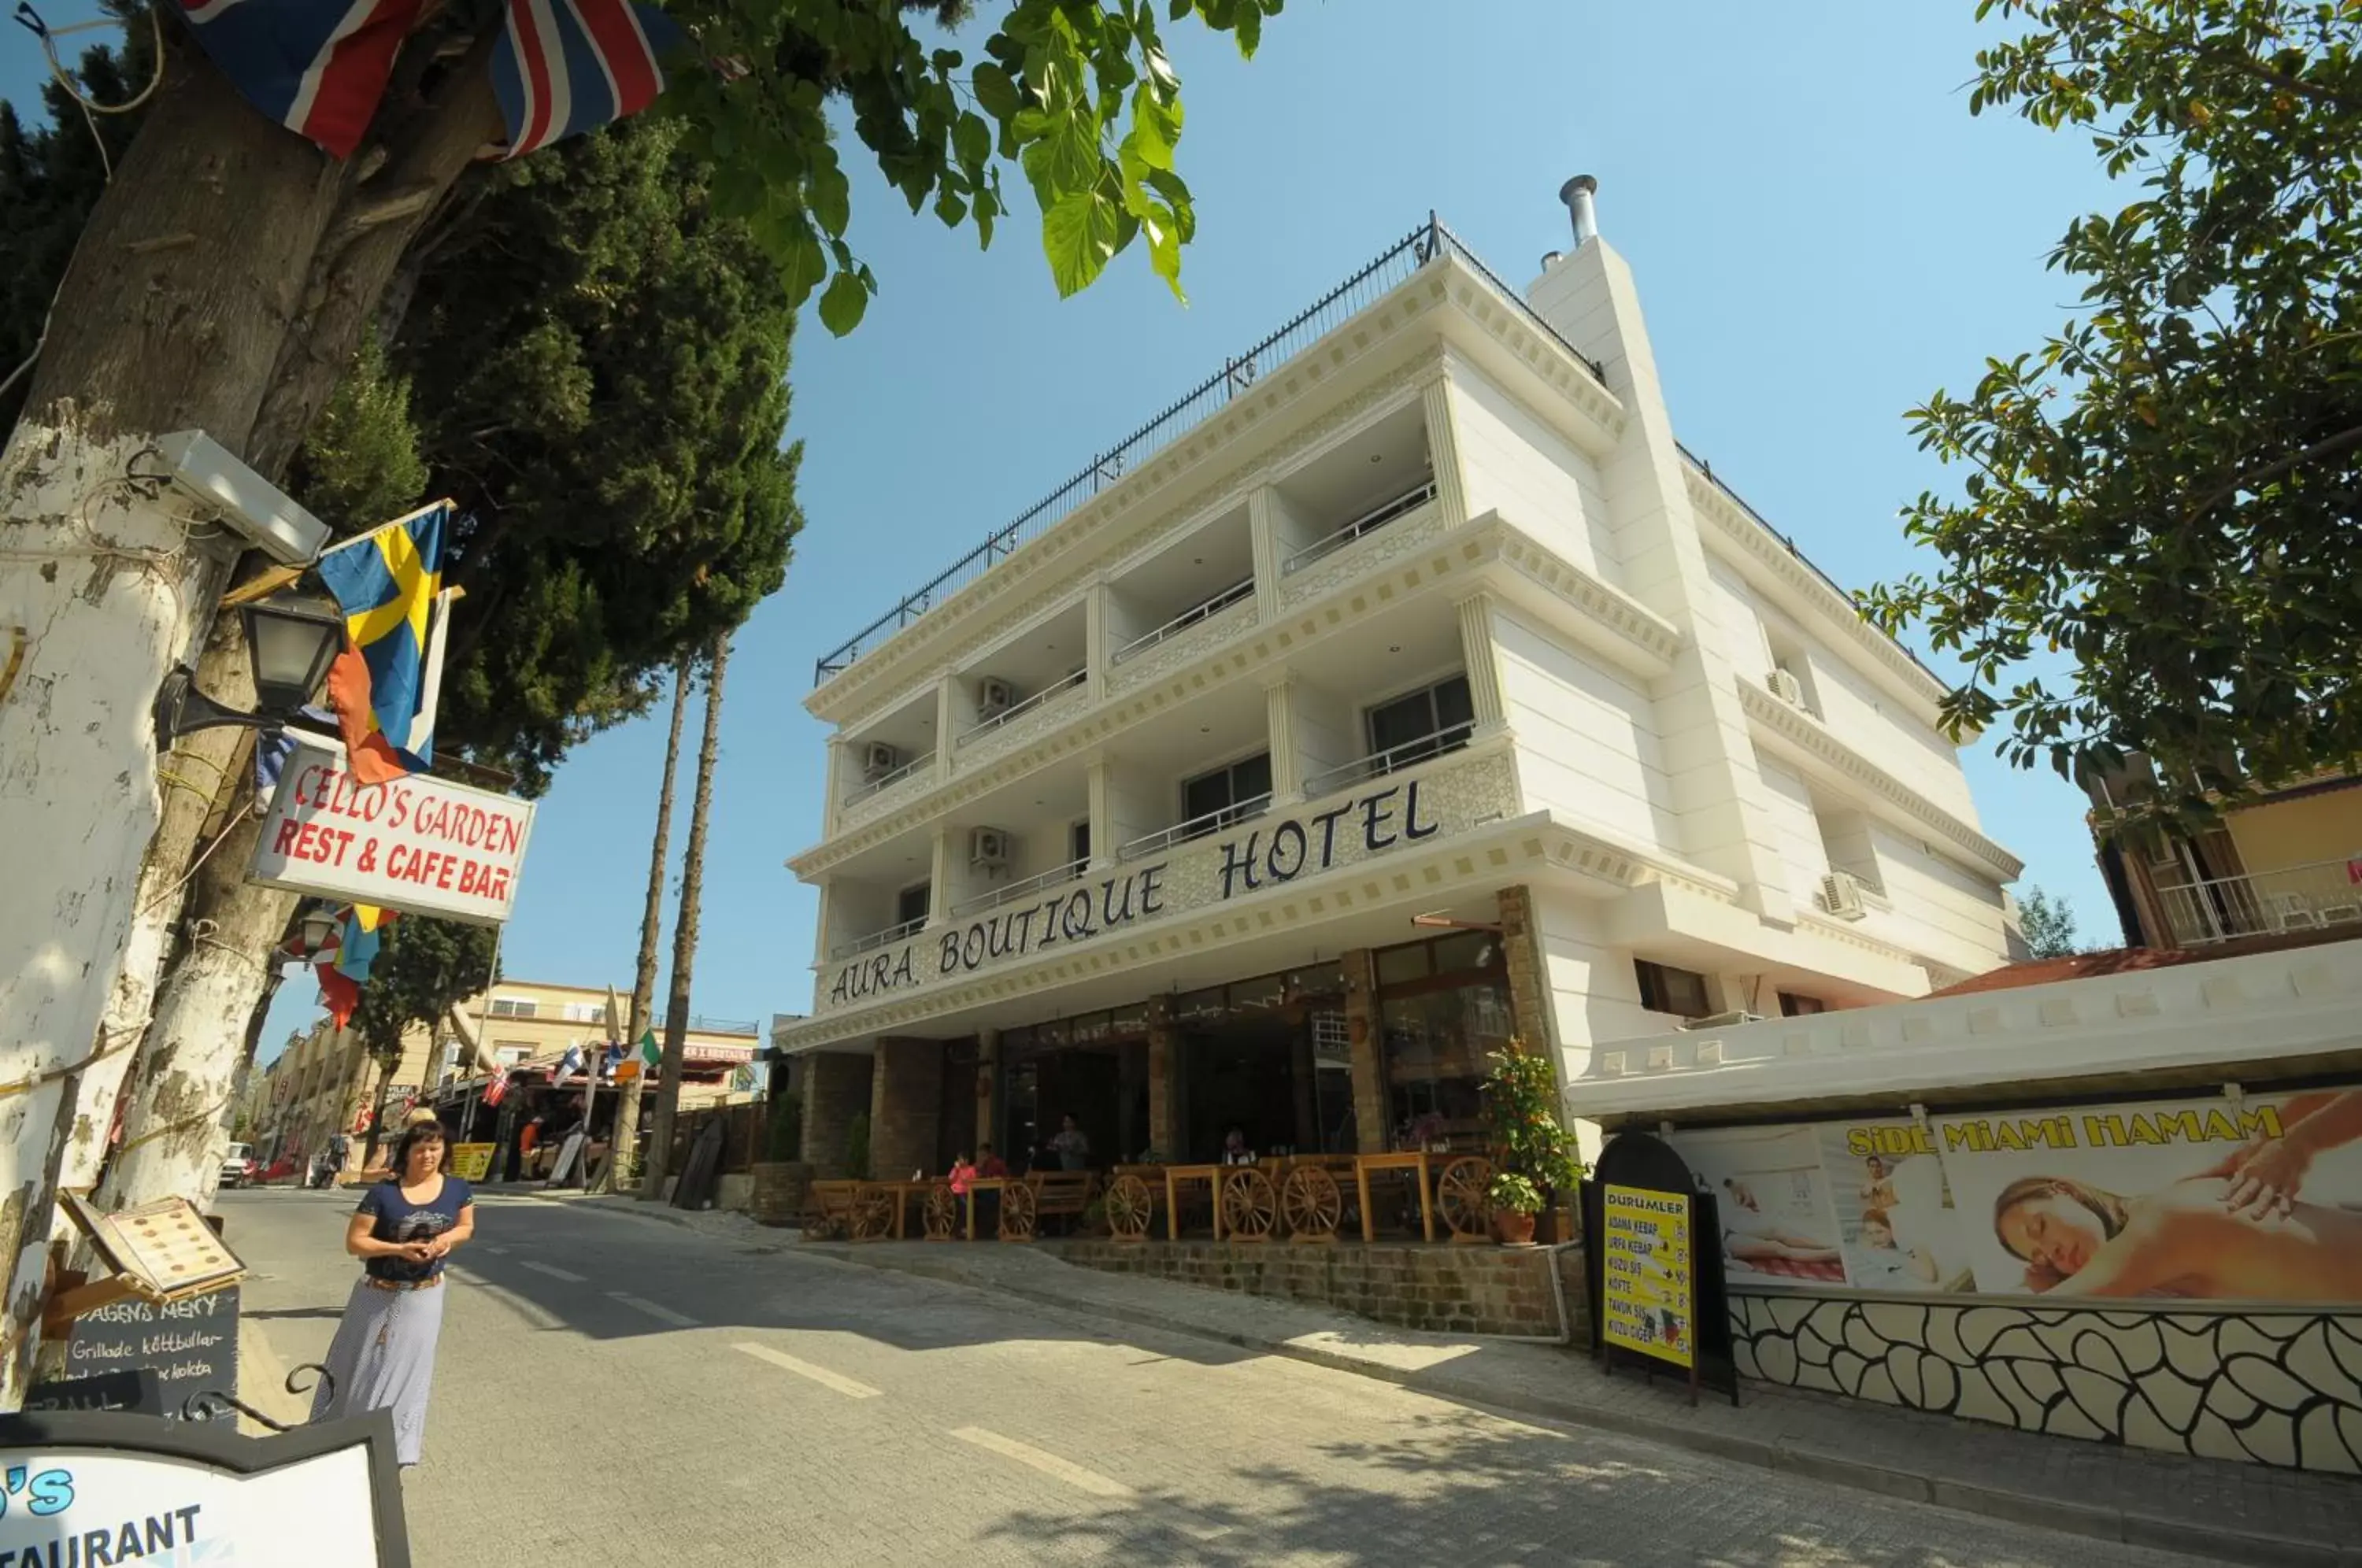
1417 610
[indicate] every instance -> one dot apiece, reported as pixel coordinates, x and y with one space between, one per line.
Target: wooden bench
1062 1192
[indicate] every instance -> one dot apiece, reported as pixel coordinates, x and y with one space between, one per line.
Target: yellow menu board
472 1162
1646 1288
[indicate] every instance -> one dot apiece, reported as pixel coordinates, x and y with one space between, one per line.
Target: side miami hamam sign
419 844
1377 819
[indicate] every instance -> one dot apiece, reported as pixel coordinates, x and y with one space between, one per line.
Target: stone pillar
951 713
1443 451
836 1090
1097 646
1164 1079
1530 1011
906 1106
987 1094
1286 752
1483 668
1372 1125
1263 518
1101 808
832 802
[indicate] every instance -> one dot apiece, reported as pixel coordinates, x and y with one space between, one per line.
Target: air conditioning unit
879 759
994 697
1841 895
987 848
1723 1019
1786 688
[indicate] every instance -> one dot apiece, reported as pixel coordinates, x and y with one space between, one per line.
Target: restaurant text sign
1647 1301
418 844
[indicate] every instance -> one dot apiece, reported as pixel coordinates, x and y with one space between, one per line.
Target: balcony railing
1053 877
1369 521
892 934
1423 246
699 1023
1195 827
1379 763
885 781
2321 896
1019 709
1187 619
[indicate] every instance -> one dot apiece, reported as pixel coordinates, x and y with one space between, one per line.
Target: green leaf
843 303
996 92
1250 28
802 264
831 197
1078 235
972 141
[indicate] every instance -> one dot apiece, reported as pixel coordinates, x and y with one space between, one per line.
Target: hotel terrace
1406 686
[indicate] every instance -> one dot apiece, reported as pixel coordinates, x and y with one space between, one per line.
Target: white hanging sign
418 844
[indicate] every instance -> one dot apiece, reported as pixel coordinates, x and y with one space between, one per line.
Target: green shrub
786 1140
856 1147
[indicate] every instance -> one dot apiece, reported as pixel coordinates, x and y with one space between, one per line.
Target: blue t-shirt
399 1220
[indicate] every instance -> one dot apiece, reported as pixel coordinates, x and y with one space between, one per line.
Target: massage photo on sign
1895 1218
2260 1200
1770 1198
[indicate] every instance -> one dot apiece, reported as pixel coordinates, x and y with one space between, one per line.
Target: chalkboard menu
137 1393
189 1346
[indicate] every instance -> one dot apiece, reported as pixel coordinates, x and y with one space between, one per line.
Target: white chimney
1577 193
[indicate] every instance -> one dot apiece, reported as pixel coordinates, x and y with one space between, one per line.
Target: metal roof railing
1393 266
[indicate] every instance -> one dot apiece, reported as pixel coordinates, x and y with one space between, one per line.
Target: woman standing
384 1355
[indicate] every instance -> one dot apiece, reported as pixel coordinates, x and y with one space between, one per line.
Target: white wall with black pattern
2278 1387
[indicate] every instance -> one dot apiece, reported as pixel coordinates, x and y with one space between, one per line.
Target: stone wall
1462 1290
906 1106
2280 1387
836 1090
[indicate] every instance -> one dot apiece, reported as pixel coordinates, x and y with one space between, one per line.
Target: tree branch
2270 472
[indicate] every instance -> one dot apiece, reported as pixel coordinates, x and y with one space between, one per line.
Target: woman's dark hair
425 1133
2106 1206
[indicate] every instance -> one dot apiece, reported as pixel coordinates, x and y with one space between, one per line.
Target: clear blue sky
1821 233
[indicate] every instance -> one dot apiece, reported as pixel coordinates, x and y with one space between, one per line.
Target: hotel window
1443 1008
1664 988
510 1007
1794 1006
1079 844
1227 794
912 903
1422 723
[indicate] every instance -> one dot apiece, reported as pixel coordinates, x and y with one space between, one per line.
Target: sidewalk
2239 1512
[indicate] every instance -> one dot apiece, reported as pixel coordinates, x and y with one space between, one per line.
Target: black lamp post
292 637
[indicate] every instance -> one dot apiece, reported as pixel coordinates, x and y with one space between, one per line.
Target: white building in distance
1405 688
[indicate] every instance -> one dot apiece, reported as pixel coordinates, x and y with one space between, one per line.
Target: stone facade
1447 1289
2271 1388
906 1106
1370 1119
836 1090
1521 950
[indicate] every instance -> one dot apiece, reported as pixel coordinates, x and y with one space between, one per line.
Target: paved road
615 1390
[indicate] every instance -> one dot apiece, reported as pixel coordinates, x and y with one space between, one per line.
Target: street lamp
318 929
291 638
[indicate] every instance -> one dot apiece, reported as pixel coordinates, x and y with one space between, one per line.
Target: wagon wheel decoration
1460 1196
942 1212
873 1213
1017 1212
1128 1208
1312 1205
1250 1206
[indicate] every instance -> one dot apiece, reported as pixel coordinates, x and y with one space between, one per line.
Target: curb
2131 1529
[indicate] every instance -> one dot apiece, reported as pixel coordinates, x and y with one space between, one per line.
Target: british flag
318 67
562 67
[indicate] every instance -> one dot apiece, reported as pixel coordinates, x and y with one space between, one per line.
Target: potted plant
1534 1158
1516 1200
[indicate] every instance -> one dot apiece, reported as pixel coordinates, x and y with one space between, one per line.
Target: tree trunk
684 933
221 283
644 979
204 777
187 1066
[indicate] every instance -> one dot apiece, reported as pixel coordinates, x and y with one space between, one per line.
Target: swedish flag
387 583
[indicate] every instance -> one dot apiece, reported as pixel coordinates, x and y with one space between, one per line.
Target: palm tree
684 931
626 1142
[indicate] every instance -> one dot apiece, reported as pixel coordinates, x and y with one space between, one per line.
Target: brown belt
376 1284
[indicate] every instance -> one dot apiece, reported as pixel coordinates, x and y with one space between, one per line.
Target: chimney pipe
1576 193
1550 260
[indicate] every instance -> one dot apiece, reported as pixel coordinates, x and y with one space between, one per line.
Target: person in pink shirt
963 1173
